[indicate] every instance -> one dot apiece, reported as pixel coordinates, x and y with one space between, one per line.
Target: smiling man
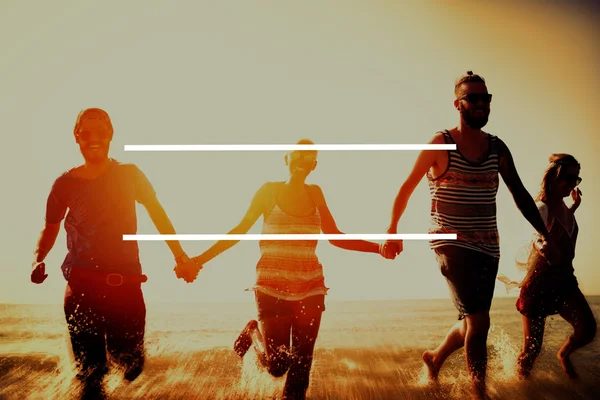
104 305
463 184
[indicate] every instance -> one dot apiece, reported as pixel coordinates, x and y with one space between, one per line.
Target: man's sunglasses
474 98
85 135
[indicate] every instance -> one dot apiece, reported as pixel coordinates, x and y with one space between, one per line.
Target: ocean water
365 350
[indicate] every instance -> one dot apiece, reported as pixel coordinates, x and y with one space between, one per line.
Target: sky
241 72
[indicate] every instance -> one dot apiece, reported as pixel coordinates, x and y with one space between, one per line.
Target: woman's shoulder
315 190
544 211
270 185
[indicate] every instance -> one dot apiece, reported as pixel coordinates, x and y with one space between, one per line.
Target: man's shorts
471 277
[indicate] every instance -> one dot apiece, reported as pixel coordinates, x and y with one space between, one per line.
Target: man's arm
46 241
56 208
163 225
425 160
44 245
145 195
521 196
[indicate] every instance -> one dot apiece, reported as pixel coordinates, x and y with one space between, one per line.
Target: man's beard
95 157
474 121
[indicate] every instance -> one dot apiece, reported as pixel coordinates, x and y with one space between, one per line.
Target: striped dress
290 269
463 201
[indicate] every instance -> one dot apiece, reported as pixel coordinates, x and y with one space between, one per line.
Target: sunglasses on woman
303 157
574 179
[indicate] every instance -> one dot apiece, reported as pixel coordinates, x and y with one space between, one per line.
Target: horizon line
343 236
286 147
251 300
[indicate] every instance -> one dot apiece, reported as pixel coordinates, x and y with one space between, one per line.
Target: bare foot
567 366
432 368
244 341
524 367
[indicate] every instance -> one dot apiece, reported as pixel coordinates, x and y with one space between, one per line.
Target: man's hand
187 269
387 251
391 248
38 273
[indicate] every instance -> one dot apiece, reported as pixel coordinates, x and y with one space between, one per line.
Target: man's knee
479 323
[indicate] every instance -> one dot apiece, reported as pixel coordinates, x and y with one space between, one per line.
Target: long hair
554 170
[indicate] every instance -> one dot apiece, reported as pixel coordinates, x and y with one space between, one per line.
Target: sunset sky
334 71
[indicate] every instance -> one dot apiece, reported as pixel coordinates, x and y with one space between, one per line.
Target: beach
365 350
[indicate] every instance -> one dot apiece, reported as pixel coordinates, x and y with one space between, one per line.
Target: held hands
390 249
38 272
186 268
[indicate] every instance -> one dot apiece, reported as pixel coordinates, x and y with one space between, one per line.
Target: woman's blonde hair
554 170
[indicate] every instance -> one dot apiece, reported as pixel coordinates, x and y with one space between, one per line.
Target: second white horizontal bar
348 236
286 147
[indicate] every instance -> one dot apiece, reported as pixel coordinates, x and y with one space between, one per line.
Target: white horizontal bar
285 147
211 237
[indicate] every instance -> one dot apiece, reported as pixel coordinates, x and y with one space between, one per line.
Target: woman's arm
328 226
576 196
256 209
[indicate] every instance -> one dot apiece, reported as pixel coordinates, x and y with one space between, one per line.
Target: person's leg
275 335
533 337
305 328
125 328
245 340
478 326
471 277
447 257
577 312
477 295
271 338
454 340
87 334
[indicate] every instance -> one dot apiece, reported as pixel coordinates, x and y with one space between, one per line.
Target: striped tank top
290 269
463 201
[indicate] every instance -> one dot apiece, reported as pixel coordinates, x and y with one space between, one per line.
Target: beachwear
471 278
463 202
549 286
289 271
100 212
104 306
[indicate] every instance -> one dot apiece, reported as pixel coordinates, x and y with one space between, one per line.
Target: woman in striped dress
290 286
551 287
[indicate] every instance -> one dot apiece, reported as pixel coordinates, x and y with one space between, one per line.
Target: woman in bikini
551 287
290 287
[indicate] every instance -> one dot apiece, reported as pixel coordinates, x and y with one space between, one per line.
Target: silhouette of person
104 305
463 185
290 287
550 286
